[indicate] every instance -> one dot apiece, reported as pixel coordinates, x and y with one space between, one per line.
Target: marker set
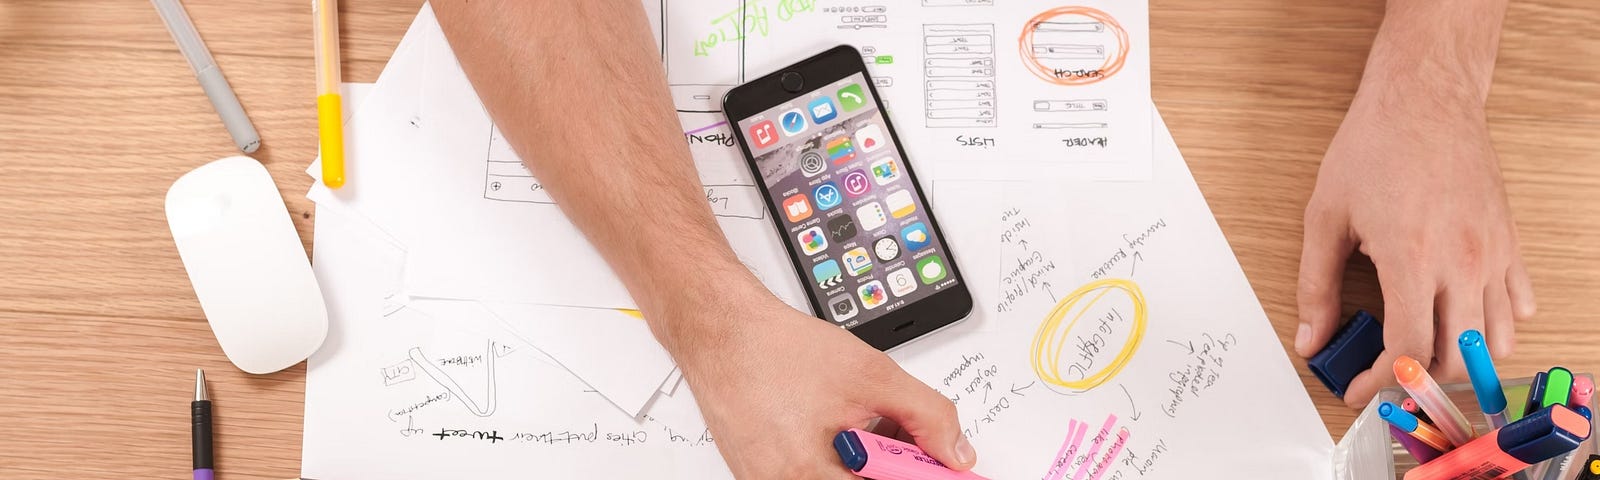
1532 436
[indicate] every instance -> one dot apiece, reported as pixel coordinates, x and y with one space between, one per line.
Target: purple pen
1421 451
200 428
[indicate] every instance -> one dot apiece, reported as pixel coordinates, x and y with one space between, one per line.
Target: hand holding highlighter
882 458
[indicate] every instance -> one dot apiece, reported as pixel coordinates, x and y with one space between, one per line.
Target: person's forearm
578 90
1446 49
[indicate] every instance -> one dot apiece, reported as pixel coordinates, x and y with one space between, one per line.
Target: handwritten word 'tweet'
748 18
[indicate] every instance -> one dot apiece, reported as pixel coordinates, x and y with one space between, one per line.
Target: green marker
1558 387
1514 410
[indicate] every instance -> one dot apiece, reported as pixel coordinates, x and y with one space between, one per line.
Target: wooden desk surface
99 114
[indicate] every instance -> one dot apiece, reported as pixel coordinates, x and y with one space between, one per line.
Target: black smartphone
848 205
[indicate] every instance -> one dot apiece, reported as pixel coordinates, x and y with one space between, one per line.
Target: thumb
929 418
1327 246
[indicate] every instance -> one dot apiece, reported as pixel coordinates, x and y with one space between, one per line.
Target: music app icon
764 134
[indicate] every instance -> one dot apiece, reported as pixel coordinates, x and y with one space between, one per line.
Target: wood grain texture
99 114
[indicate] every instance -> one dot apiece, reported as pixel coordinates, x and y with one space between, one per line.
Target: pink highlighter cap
1582 391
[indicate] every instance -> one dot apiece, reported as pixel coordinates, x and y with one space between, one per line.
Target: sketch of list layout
507 178
958 68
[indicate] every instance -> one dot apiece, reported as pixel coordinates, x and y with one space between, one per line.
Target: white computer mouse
247 265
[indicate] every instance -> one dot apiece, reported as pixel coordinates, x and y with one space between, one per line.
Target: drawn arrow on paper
1135 407
1189 346
1134 266
986 388
1018 390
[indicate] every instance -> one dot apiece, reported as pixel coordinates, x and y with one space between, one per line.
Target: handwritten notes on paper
1120 302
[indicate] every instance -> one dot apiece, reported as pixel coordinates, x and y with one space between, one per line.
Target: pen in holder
1368 451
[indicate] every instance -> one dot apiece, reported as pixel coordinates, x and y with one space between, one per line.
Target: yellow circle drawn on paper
1051 338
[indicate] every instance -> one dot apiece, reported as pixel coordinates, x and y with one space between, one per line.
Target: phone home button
792 81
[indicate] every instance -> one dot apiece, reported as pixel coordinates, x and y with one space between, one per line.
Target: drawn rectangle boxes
959 75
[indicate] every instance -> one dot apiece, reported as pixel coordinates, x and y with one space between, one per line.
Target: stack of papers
476 331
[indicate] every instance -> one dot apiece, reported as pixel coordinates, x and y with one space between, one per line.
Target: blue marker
1485 382
1408 423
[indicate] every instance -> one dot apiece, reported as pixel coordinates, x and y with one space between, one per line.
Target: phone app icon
885 170
812 241
856 184
916 236
872 294
886 249
793 122
851 98
764 134
812 163
931 269
827 196
797 208
869 138
843 308
901 282
871 216
857 262
827 274
840 150
822 110
841 228
900 203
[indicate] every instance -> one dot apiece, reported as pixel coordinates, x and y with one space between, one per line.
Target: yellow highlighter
329 117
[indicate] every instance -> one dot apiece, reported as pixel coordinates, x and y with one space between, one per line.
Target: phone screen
859 227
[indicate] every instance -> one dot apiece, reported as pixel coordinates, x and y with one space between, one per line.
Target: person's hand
775 385
1412 181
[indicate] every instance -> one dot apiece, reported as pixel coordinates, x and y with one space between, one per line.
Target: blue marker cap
1352 351
1397 416
851 451
1480 368
1542 435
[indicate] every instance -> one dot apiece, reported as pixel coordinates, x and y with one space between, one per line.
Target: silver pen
210 77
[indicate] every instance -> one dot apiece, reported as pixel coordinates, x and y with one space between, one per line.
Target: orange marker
1431 398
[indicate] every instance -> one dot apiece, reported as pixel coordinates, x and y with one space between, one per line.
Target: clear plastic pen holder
1368 452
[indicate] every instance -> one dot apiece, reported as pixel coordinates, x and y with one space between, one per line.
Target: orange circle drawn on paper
1109 68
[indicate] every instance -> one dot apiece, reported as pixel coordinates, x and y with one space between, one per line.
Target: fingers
1407 330
929 418
1326 247
1461 308
1498 320
1520 289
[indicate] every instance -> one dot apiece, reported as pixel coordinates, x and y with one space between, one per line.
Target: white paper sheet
1207 392
629 385
410 386
428 167
1013 89
1169 361
405 395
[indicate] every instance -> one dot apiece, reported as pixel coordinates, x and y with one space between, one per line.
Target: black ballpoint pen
200 420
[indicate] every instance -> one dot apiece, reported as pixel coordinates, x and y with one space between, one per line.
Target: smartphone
853 217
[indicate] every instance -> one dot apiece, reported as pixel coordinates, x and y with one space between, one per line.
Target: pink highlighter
1540 436
882 458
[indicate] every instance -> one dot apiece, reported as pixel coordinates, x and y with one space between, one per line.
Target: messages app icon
851 98
822 110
